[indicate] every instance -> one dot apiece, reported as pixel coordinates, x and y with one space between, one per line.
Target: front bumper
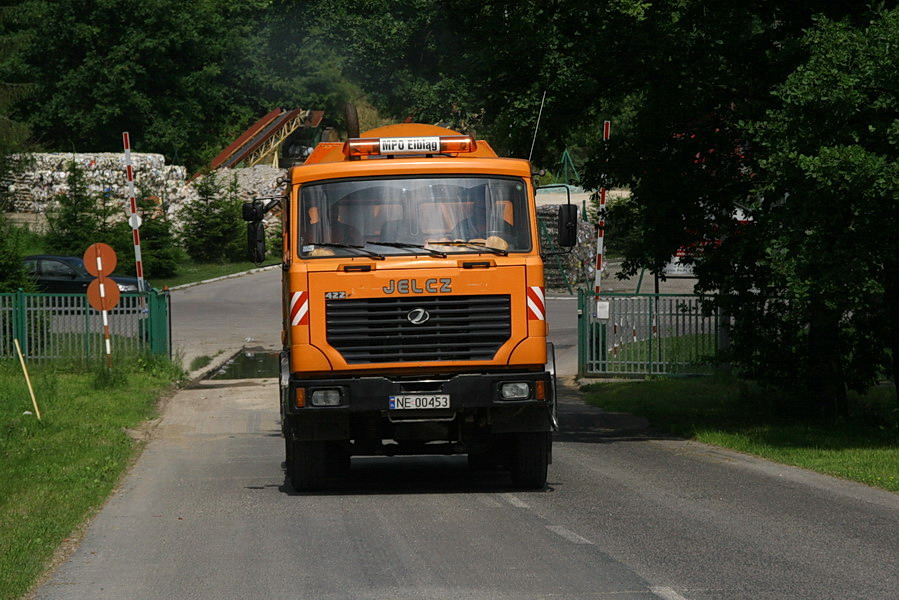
476 407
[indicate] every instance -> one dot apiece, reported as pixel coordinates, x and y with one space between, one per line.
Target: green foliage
83 217
13 134
12 272
827 204
697 134
212 227
173 74
191 272
274 239
199 362
74 223
106 378
161 255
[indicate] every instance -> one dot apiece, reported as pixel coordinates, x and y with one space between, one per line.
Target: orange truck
414 314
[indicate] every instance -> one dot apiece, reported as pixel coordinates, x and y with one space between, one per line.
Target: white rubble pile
46 177
261 181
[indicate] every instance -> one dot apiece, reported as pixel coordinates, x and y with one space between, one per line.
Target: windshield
434 215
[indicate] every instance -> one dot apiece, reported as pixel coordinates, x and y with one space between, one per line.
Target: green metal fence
645 334
65 326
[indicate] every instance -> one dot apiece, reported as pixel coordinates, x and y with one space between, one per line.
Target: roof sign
409 145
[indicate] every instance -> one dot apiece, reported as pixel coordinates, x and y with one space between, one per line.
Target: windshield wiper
359 249
477 245
407 245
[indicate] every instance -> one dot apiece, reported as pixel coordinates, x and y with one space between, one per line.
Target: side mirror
256 241
253 211
567 225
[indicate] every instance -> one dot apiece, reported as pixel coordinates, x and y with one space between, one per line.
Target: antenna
537 127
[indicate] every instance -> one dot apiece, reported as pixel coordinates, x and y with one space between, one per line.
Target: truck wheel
307 465
531 459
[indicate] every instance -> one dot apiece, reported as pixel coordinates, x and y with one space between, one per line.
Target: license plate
419 401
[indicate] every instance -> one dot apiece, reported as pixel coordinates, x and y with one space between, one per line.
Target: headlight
326 398
123 287
515 391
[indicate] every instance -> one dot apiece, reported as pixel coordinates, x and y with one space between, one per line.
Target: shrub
12 272
160 252
82 218
73 224
211 226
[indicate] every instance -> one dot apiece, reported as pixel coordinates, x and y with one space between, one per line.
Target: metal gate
645 334
65 326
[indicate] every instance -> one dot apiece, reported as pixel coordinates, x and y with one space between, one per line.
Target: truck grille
378 330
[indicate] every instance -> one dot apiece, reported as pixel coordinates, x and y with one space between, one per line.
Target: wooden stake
37 411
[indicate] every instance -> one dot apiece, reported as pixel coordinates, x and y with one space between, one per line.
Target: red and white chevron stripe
536 304
299 308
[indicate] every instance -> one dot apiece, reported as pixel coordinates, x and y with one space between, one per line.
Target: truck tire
307 465
531 459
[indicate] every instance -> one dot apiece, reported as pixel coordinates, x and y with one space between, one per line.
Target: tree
74 223
212 229
160 252
692 100
82 217
13 135
828 208
171 73
12 271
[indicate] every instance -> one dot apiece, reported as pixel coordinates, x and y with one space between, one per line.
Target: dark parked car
67 275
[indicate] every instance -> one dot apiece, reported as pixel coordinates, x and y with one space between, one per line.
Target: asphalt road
205 512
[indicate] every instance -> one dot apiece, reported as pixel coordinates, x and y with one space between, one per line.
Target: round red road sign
100 259
103 293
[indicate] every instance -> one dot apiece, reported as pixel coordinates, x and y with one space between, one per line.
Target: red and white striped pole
602 309
133 217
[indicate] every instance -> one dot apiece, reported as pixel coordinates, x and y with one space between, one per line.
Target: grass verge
199 362
747 418
60 470
194 272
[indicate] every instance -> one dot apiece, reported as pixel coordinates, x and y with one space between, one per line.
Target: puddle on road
249 363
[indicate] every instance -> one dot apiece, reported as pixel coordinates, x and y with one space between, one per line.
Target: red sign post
601 307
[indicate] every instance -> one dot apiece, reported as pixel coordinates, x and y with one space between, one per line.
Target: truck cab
414 315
